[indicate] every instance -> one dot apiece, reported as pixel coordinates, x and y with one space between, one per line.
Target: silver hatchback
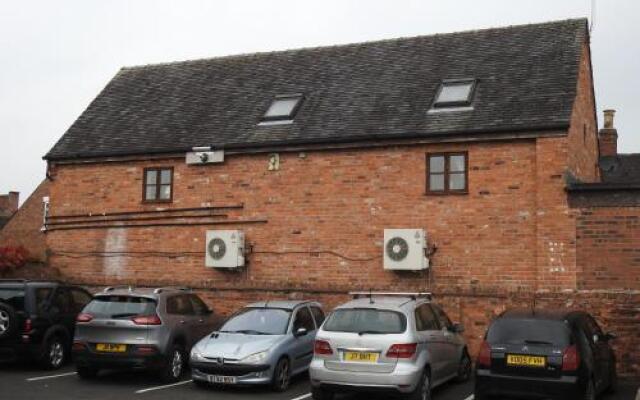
401 343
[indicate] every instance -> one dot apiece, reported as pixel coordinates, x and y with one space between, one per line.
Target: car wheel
174 367
55 353
590 391
423 389
281 375
87 372
8 321
464 369
318 393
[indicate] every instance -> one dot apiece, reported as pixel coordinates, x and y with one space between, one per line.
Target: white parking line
162 387
469 398
39 378
304 396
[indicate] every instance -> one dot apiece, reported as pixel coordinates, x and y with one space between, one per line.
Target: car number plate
526 361
228 380
359 356
111 348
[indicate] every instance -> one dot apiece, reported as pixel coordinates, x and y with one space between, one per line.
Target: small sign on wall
274 162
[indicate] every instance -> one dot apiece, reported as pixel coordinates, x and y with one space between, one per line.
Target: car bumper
403 379
242 374
491 384
89 358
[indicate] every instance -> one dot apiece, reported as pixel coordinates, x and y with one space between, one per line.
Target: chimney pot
608 118
608 136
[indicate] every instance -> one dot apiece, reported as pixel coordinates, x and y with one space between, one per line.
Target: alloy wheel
4 322
56 354
176 364
425 390
283 374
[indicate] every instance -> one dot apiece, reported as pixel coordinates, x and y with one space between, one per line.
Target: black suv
37 319
534 353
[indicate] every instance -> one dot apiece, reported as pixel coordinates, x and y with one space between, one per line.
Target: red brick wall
8 204
608 242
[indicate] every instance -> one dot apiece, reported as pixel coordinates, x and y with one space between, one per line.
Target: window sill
454 193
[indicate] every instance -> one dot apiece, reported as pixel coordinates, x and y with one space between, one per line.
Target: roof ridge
354 44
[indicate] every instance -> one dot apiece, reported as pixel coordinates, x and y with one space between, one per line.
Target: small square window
158 185
283 108
447 173
457 93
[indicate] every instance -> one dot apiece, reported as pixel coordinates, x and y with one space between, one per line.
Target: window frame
458 103
157 184
292 113
446 173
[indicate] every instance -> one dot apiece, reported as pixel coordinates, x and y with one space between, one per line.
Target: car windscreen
529 331
259 321
366 320
13 297
120 306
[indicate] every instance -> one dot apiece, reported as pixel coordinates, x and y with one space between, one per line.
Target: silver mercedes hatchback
396 342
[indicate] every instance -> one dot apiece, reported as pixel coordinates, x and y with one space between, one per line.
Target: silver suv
397 342
140 328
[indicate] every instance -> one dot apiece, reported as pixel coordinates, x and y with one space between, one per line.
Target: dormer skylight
455 93
283 107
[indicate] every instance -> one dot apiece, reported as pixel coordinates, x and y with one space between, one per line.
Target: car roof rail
411 295
176 288
112 288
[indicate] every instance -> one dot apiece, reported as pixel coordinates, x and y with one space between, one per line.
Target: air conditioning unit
204 155
225 249
404 250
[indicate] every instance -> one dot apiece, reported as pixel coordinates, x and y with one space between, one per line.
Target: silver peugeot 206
263 343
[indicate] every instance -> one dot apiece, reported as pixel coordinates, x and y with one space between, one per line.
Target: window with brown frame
447 173
157 185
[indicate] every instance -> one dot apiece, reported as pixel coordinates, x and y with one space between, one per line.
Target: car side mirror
300 332
457 328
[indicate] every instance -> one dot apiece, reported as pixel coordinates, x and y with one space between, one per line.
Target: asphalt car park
23 381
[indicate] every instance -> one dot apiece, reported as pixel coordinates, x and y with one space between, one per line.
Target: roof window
455 93
283 107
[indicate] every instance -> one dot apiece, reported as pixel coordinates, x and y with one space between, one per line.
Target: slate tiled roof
526 81
622 168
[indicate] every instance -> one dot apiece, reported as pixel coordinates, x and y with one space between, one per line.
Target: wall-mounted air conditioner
225 249
404 250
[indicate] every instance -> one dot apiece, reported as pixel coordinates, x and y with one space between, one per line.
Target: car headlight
196 355
255 358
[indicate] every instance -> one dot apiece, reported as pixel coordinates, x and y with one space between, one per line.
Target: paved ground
27 382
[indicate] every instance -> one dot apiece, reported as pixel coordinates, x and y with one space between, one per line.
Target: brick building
8 206
480 138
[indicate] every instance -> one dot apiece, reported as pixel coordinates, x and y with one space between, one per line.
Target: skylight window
283 107
458 93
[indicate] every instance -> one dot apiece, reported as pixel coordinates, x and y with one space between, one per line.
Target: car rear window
120 306
13 297
366 320
529 331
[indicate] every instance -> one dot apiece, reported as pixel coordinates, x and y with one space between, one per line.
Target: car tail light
404 350
78 346
28 326
484 356
322 347
84 317
570 359
147 320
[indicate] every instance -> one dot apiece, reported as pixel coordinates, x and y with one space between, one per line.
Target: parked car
539 353
37 320
140 328
401 343
263 343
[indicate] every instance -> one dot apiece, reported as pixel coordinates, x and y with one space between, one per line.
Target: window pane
150 192
454 92
151 177
457 163
436 164
456 181
282 107
436 183
165 192
165 176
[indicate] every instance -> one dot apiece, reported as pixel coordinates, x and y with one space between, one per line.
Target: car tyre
8 321
87 372
590 390
423 389
174 368
55 353
281 375
318 393
464 369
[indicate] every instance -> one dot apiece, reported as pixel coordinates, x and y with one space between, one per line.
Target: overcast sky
56 55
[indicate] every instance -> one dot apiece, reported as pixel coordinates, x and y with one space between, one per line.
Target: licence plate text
527 361
228 380
111 348
358 356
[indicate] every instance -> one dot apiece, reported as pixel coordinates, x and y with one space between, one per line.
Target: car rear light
78 346
570 359
28 326
484 356
84 317
147 320
146 350
322 347
403 350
